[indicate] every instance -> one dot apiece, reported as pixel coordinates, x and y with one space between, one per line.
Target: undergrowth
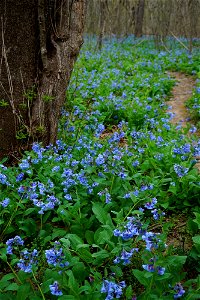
93 216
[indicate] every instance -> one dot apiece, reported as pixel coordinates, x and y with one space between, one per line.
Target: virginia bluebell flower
157 214
55 257
112 289
5 202
16 241
125 256
179 291
100 160
180 170
151 204
54 288
151 268
151 239
20 177
3 179
28 260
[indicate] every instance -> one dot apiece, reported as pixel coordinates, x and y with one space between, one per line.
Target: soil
181 92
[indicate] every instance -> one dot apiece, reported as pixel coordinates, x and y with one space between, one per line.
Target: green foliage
3 103
93 213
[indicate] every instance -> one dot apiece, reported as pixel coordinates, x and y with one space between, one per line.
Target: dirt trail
181 92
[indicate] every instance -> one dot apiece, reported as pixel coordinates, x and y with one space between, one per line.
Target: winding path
181 92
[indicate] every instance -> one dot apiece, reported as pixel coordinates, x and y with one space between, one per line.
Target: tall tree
39 42
102 16
139 15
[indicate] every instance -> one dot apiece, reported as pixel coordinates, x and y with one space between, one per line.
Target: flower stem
14 272
38 286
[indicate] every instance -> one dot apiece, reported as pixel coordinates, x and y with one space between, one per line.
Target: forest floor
181 92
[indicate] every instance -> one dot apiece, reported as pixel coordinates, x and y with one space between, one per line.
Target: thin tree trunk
101 23
139 15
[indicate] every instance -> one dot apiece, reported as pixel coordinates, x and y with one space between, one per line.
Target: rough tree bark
139 15
39 42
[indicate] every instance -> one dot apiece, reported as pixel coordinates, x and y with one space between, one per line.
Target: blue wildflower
125 256
55 257
54 288
151 204
20 177
180 170
24 164
28 260
5 202
112 289
16 241
3 179
151 239
179 291
100 160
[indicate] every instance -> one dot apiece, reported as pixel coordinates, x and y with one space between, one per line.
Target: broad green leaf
12 287
23 291
140 277
100 213
196 239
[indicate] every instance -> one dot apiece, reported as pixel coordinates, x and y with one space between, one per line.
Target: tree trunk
39 41
101 23
139 15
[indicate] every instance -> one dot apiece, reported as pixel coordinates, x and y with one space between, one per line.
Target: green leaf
12 287
29 211
3 254
140 277
23 291
67 297
196 239
85 255
75 240
7 277
58 233
100 256
72 284
100 213
79 271
197 219
129 292
89 235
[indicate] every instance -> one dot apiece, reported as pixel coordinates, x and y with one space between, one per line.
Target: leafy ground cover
98 215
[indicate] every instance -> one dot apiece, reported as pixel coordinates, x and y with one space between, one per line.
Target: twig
179 41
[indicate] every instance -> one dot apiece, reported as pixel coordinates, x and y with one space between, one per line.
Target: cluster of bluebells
41 195
157 213
28 259
125 257
153 268
112 289
13 243
180 170
152 240
4 179
105 194
55 256
132 228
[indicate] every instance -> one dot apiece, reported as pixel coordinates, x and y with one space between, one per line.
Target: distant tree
139 15
102 19
39 42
